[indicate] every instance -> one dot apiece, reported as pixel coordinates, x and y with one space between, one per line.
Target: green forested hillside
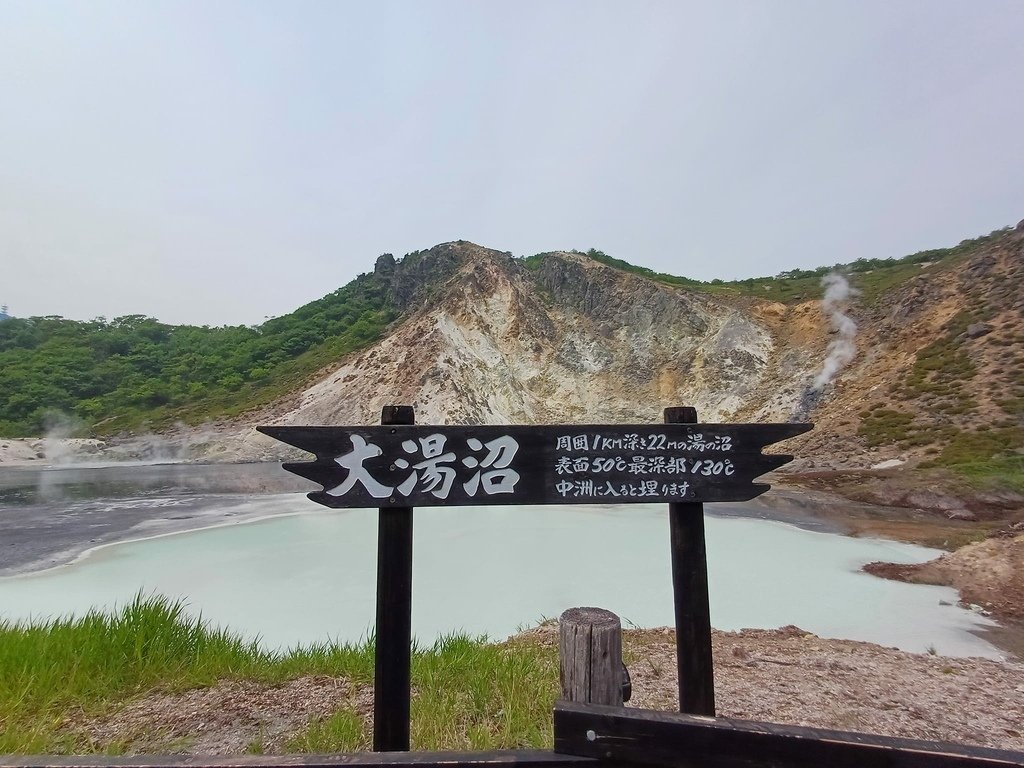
134 371
872 277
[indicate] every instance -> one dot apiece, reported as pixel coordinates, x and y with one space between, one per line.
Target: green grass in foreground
468 694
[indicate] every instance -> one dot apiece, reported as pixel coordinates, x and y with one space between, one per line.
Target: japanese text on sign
634 442
436 471
650 475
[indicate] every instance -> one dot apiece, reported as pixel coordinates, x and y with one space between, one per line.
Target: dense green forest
135 372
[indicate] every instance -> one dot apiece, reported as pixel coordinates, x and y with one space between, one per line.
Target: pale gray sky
221 162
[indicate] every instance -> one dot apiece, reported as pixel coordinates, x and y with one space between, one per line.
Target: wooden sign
417 466
398 466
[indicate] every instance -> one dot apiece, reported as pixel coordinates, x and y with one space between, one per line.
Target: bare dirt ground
783 676
230 718
794 677
789 676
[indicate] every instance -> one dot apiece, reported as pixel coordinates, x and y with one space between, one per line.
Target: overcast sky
217 163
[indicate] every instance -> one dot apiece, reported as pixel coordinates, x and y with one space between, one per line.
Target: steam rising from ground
59 427
840 350
61 446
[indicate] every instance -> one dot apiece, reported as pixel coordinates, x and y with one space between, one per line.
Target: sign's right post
690 594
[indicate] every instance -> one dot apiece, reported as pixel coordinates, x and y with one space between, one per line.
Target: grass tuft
343 731
473 695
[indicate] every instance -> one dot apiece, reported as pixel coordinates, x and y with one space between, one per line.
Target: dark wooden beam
690 594
392 689
670 740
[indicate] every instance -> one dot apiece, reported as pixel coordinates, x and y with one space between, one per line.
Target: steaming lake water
307 574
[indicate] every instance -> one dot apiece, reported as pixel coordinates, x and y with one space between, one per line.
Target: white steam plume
840 350
59 428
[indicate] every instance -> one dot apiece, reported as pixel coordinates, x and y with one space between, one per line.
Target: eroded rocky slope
569 341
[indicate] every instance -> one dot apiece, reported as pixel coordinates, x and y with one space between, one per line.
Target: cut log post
590 656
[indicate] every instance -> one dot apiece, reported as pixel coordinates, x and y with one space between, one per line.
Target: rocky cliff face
570 340
564 338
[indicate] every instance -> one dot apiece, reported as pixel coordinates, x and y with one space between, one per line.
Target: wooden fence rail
674 740
596 736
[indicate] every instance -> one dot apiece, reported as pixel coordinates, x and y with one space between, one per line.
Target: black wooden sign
398 466
417 466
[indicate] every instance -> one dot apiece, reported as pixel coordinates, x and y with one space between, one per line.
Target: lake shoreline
34 546
984 547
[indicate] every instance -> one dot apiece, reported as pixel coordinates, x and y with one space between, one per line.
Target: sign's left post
391 682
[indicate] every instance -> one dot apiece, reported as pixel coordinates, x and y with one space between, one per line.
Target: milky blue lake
307 574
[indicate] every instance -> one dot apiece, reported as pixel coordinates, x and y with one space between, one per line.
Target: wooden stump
590 656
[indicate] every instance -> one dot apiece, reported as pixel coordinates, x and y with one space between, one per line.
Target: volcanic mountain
568 337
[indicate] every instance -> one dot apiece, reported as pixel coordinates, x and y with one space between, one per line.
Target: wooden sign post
399 465
696 671
391 661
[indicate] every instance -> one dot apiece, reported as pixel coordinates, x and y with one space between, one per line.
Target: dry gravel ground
783 676
230 718
793 677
